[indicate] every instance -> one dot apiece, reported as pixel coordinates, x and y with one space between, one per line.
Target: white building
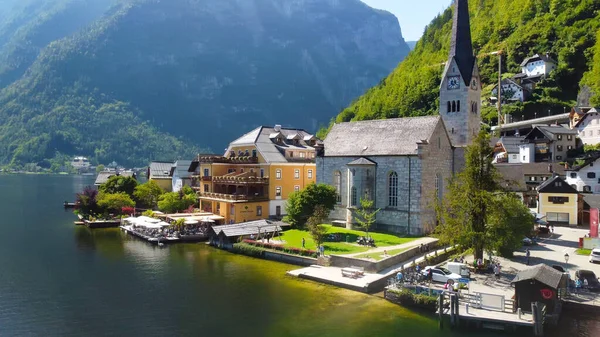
506 150
180 176
80 163
586 177
538 65
588 127
511 92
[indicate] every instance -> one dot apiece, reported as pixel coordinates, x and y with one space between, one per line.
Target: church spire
461 48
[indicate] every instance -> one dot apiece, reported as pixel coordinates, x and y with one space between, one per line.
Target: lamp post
566 257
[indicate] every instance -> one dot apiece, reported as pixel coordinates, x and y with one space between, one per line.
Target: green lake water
57 279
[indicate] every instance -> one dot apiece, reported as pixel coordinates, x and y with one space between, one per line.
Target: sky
413 15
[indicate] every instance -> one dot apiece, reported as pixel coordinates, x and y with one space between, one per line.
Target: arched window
474 107
457 106
337 183
449 106
353 196
393 189
453 106
439 187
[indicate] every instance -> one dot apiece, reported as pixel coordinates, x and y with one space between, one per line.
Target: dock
102 223
150 239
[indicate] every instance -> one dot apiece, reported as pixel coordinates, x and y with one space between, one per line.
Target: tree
99 168
314 224
509 222
114 202
148 194
87 203
118 184
302 204
475 212
366 214
173 202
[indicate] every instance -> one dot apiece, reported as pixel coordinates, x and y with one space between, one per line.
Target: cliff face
203 71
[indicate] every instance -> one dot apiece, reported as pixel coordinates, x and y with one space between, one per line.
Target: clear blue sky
413 15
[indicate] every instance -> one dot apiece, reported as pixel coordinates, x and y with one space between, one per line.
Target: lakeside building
257 173
403 164
103 176
81 163
160 173
559 202
180 176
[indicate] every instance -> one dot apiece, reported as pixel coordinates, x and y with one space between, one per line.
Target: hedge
246 249
407 298
281 248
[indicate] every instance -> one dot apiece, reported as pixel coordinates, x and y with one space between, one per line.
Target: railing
206 178
232 197
240 180
234 160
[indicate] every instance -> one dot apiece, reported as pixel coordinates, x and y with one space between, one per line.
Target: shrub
407 298
247 249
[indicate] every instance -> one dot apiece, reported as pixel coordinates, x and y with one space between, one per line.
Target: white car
439 274
595 255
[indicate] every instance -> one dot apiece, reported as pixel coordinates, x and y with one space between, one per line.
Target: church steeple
461 48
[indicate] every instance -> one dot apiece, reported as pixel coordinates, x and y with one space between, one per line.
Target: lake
58 279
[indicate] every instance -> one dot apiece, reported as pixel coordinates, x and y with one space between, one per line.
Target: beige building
559 202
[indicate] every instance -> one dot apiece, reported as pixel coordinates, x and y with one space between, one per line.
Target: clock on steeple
453 82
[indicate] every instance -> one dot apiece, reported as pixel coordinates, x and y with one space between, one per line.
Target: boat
69 204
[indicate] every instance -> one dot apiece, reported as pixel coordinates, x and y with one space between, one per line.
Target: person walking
497 271
303 243
527 255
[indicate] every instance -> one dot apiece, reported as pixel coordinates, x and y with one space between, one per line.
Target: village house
103 176
547 143
588 126
524 179
506 149
511 92
160 173
559 202
534 69
179 175
585 177
257 173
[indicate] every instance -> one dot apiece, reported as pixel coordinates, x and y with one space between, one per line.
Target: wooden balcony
232 197
232 160
240 180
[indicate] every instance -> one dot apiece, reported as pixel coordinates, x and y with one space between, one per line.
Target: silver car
595 255
440 274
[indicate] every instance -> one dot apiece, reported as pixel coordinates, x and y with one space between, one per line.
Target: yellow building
559 202
255 176
160 173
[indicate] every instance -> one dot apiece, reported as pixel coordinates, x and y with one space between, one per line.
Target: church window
353 196
453 106
393 189
438 187
337 183
452 131
458 106
474 107
449 106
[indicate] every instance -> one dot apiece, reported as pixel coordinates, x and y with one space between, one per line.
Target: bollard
519 312
467 308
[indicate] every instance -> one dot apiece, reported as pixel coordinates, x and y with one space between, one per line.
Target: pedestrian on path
497 271
527 254
303 243
552 228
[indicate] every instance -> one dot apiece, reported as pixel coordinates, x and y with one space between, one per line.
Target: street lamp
566 257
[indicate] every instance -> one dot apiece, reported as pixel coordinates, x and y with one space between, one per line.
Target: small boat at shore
67 204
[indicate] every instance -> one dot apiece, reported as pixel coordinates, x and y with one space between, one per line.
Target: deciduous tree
118 184
302 204
315 226
173 202
114 202
366 214
148 194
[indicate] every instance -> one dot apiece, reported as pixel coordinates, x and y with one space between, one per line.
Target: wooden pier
467 310
102 223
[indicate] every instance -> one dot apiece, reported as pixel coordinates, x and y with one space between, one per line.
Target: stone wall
403 218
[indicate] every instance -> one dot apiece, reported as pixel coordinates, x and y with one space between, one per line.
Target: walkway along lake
63 280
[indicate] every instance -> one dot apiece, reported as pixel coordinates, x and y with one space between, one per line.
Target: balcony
231 160
240 180
206 178
232 197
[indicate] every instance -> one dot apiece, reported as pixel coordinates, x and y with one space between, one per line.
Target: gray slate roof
593 200
556 185
247 228
103 176
385 137
537 57
511 144
264 138
362 161
461 47
160 169
182 166
541 273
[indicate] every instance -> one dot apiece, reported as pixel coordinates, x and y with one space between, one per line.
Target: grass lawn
583 251
379 255
293 238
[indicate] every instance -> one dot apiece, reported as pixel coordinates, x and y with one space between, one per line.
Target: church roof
384 137
461 48
362 161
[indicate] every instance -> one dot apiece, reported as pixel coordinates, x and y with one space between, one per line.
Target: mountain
565 29
411 44
134 80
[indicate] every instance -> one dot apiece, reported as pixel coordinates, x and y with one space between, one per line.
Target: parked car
595 255
439 274
592 281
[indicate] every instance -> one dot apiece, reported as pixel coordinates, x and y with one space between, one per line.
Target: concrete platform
495 317
333 276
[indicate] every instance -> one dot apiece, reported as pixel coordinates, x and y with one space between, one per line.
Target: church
402 164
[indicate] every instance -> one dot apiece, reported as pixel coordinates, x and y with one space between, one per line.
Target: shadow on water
105 240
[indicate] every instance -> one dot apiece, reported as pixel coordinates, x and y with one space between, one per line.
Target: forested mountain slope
154 79
566 29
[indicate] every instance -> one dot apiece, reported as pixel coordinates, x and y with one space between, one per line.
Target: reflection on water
61 280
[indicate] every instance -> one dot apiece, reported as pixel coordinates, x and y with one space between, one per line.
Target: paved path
407 245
